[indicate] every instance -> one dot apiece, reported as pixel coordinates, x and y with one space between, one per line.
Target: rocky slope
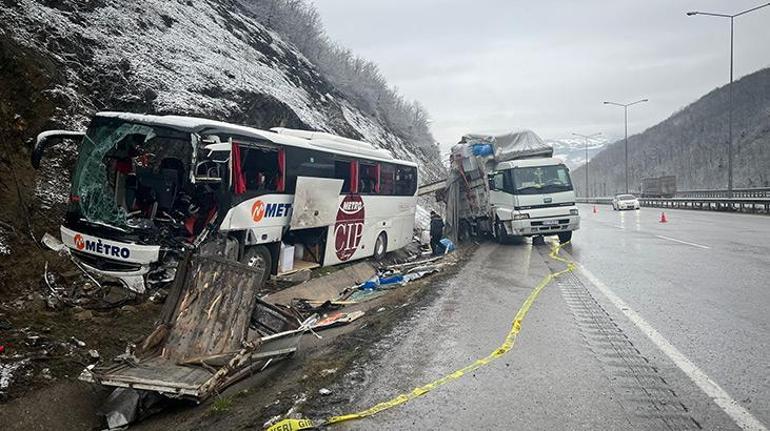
61 61
692 144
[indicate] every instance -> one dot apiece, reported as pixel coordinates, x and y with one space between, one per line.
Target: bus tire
381 246
258 257
565 237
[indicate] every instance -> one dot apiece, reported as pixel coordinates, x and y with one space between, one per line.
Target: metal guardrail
754 192
735 204
755 204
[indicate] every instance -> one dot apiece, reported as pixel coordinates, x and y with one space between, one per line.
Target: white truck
509 186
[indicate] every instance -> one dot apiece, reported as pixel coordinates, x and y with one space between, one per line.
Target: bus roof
205 126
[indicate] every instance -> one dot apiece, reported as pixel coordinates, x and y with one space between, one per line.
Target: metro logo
258 211
100 247
261 210
79 242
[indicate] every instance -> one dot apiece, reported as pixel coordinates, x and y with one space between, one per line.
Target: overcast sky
491 65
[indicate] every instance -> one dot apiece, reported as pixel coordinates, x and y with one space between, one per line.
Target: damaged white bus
146 188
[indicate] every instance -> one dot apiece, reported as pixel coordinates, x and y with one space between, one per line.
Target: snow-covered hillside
207 58
63 60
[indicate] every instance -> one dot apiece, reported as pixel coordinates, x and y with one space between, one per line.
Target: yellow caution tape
504 348
292 425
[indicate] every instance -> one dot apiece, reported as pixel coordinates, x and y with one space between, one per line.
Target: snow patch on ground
4 248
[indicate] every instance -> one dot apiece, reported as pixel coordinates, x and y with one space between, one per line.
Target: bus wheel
258 257
381 247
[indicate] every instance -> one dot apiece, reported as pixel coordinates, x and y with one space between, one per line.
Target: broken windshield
128 169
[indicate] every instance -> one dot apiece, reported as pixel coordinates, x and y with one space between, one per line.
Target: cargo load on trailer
509 185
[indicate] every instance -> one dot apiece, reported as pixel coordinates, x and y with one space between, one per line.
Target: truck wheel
381 246
499 232
565 236
258 257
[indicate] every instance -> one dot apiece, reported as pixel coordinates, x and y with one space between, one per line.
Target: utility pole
587 138
730 102
625 108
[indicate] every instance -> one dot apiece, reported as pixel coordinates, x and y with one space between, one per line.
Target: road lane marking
683 242
505 347
741 416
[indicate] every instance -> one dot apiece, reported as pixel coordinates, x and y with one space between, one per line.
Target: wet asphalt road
700 280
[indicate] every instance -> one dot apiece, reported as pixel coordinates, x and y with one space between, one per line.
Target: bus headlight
521 216
573 211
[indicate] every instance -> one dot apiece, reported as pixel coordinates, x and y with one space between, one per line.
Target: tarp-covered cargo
512 145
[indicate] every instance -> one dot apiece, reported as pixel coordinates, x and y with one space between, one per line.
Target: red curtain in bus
281 182
354 176
239 180
377 184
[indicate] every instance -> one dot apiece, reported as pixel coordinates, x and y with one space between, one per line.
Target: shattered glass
114 153
90 183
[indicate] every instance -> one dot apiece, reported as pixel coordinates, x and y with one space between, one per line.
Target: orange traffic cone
596 211
663 218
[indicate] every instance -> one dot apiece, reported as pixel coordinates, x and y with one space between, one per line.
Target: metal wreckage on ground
208 336
214 331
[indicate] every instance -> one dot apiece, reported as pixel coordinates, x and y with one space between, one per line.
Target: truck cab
531 197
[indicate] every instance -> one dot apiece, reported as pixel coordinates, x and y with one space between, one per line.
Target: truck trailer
508 186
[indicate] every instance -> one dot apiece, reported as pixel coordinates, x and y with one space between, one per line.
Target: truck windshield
127 169
541 179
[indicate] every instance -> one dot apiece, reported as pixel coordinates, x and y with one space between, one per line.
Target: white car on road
625 202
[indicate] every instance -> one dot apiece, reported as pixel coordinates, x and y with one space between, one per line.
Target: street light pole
730 90
587 138
625 108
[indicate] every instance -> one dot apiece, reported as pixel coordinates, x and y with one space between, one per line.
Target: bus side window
406 180
306 163
368 182
387 179
260 169
342 171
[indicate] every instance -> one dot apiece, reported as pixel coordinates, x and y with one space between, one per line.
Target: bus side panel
393 215
261 211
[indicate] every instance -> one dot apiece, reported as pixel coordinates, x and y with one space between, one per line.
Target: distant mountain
573 151
692 144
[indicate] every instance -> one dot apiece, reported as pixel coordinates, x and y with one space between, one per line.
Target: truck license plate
550 222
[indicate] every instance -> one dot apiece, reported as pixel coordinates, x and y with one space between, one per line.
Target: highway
662 326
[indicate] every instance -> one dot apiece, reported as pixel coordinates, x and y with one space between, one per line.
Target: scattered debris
337 319
77 342
125 406
94 355
235 334
324 391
